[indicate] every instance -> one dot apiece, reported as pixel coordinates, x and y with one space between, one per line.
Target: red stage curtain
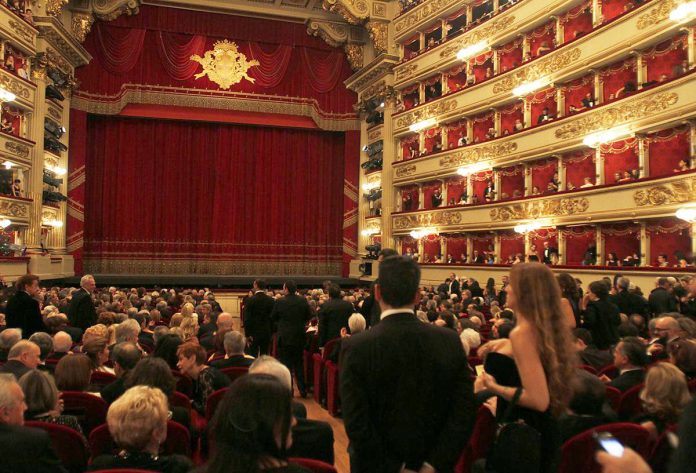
619 156
615 76
576 90
351 179
613 8
175 52
456 246
543 34
407 144
578 239
482 124
454 132
432 136
324 69
542 173
120 48
662 58
456 78
666 148
413 192
224 201
428 191
431 248
479 64
76 187
510 55
511 243
540 100
669 236
455 188
511 180
273 64
622 239
510 114
579 165
577 21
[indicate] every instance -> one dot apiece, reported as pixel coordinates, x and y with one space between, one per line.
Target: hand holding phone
609 443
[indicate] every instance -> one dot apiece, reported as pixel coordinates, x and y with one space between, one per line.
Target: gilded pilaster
643 158
561 247
497 247
421 197
561 174
527 180
34 183
596 12
598 89
560 101
496 184
691 48
599 167
469 248
599 239
388 194
644 245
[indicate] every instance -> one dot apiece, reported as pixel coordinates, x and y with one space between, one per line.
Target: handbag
517 446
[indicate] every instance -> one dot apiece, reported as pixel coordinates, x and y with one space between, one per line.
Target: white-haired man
81 312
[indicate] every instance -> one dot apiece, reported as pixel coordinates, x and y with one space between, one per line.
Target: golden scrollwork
354 54
541 208
54 7
109 10
427 219
81 25
25 33
17 148
54 113
538 69
378 34
406 71
379 9
406 170
479 34
374 135
56 60
613 116
49 214
353 11
224 64
420 13
657 14
426 112
50 160
15 86
477 154
334 34
672 193
13 209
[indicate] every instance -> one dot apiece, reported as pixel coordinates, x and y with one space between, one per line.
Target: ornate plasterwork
22 30
63 41
372 72
17 149
478 34
676 192
109 10
428 111
354 11
540 208
378 34
657 14
54 113
16 86
11 208
374 135
477 154
339 34
81 25
539 69
406 71
225 65
421 13
448 217
55 7
354 54
613 116
406 170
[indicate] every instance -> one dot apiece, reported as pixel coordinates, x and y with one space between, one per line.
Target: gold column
561 247
643 157
469 248
640 69
497 247
421 41
527 180
443 137
421 93
421 197
693 238
525 46
363 208
387 176
560 101
599 238
496 184
561 174
443 191
692 140
599 167
644 245
497 125
496 6
690 51
443 83
496 61
527 114
469 130
596 12
469 13
527 245
34 184
443 248
598 89
421 248
421 141
469 190
559 30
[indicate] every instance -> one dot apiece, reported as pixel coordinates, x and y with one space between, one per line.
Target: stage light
529 87
8 165
370 231
4 223
469 51
368 186
687 213
6 95
423 232
683 12
606 136
422 125
473 168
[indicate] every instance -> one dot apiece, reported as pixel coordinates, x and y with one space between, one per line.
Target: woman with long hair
664 397
570 299
490 294
543 358
252 428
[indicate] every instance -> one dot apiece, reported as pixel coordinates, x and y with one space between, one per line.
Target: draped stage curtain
672 237
615 76
455 188
622 239
663 57
511 243
428 191
511 180
577 21
576 90
510 114
207 198
619 156
666 148
579 165
578 239
456 246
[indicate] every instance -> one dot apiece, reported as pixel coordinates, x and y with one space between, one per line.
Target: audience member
588 352
62 343
125 356
23 310
98 352
258 325
664 397
234 352
586 409
630 359
22 357
73 373
167 349
43 402
661 299
206 380
333 315
8 338
600 316
82 312
45 343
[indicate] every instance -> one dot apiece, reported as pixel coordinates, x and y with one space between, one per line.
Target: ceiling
291 10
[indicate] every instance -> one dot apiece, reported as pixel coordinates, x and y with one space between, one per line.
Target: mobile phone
609 443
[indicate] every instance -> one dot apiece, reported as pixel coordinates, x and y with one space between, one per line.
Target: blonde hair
187 310
538 297
189 328
136 416
665 392
95 331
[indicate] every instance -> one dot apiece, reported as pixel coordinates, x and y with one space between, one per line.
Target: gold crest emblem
224 65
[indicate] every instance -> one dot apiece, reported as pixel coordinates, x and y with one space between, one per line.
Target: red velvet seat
577 453
319 362
333 393
183 383
178 399
307 365
610 371
90 410
212 403
315 466
589 369
178 441
630 404
235 372
480 442
101 378
662 451
68 444
613 397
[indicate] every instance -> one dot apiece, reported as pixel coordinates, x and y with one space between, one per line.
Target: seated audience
62 343
206 380
97 350
664 397
586 409
8 338
587 182
682 354
682 166
125 356
42 400
73 373
630 359
167 348
138 424
22 357
45 343
234 343
588 353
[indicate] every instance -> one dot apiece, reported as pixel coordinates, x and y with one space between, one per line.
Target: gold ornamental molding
81 25
340 34
14 208
479 34
537 70
23 31
225 65
429 111
613 116
17 86
52 30
677 192
353 11
475 155
420 13
17 149
378 34
49 214
109 10
54 113
406 170
374 135
542 208
354 54
55 7
657 14
406 71
448 217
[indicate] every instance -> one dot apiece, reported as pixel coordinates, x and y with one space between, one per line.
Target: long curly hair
538 297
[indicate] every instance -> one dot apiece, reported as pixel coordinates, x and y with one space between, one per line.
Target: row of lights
369 186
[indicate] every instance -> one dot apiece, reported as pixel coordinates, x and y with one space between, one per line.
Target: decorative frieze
540 208
676 192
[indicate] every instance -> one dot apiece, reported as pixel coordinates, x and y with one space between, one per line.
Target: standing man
81 312
548 251
291 314
23 310
407 399
333 315
454 287
258 325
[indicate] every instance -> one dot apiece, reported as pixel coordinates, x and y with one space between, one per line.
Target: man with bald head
62 343
669 330
224 324
24 356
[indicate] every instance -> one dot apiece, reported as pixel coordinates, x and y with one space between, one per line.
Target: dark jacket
312 439
333 316
630 304
627 380
81 312
598 359
15 367
406 396
27 450
661 301
23 312
232 362
141 461
257 316
290 314
602 319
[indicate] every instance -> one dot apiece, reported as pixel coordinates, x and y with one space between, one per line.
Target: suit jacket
333 316
436 200
548 252
232 362
312 439
113 390
454 288
371 310
257 316
27 450
290 315
630 303
23 312
627 380
15 367
602 319
661 301
406 396
81 312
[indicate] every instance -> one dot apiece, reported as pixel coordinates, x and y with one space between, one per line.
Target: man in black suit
23 310
589 354
234 343
24 356
454 287
258 325
81 312
22 449
548 251
406 395
291 314
125 356
370 308
630 359
627 302
588 101
436 198
661 299
333 315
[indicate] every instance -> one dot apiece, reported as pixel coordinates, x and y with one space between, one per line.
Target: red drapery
225 203
175 51
408 144
76 188
541 100
616 76
576 90
619 156
670 236
666 148
409 191
579 165
431 248
480 64
13 116
432 136
613 8
542 173
511 244
409 243
577 21
428 191
456 246
578 239
410 96
482 124
661 59
622 239
538 237
455 188
510 55
274 64
454 132
479 183
511 180
544 34
456 78
510 114
482 242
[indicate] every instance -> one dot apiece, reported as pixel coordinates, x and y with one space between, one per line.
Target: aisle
315 411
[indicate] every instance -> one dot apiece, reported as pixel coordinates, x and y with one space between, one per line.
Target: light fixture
423 232
687 213
370 231
473 168
529 87
683 11
57 170
527 227
8 165
4 223
6 95
471 50
423 124
368 186
52 223
606 136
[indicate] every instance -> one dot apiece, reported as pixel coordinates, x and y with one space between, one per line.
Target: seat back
101 378
480 442
235 372
178 399
212 403
662 451
178 441
315 466
588 368
90 410
577 453
610 371
630 404
68 444
183 383
329 348
613 397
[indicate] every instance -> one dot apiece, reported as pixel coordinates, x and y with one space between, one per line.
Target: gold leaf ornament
225 65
